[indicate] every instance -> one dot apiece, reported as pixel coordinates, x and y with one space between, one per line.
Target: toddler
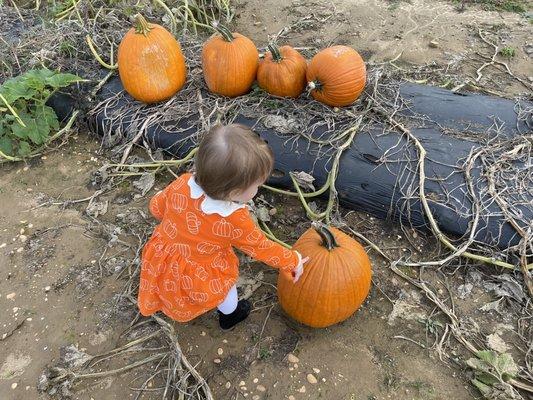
188 265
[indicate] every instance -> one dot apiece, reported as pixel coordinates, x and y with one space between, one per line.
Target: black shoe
228 321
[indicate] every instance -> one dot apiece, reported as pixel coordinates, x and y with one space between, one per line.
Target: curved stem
141 25
274 50
97 56
328 238
268 233
224 32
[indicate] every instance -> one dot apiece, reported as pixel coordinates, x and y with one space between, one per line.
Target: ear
234 193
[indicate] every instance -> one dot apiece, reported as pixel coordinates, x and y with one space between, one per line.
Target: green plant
492 371
264 353
508 52
26 122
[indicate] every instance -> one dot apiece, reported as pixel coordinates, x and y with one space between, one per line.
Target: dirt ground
60 279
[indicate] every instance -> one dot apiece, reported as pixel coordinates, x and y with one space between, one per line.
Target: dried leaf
144 183
495 342
262 213
304 180
96 208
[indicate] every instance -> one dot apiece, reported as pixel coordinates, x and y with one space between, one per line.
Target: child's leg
230 302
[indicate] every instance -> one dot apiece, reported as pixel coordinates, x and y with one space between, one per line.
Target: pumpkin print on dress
186 282
207 248
200 258
170 229
193 223
179 202
170 286
223 229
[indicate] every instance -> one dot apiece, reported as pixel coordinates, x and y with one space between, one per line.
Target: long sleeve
158 204
248 238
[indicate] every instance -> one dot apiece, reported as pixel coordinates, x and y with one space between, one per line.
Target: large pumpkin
336 76
282 71
229 63
336 279
150 63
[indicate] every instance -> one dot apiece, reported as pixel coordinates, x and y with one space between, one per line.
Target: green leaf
62 80
24 149
36 78
488 356
6 145
506 366
484 389
49 115
16 88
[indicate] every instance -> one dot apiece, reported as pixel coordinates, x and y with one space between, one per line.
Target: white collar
210 205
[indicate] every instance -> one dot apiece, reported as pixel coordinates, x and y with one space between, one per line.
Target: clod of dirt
14 365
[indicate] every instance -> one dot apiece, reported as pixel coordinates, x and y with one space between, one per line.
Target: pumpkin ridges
151 66
324 295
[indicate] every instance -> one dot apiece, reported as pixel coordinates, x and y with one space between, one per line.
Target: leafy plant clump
508 52
492 372
26 122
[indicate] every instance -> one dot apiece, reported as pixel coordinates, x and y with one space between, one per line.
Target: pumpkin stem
224 32
328 239
274 50
141 25
314 85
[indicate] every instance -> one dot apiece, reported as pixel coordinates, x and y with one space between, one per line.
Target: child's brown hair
231 158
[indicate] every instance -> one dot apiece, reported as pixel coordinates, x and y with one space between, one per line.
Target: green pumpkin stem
224 32
328 238
141 25
274 50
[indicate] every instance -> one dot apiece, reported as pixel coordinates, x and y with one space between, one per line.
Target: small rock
20 249
256 380
291 397
220 351
23 238
261 388
311 379
292 358
316 370
295 366
224 341
228 385
244 388
217 361
273 211
255 397
14 385
302 389
242 383
202 333
3 245
47 289
11 296
434 44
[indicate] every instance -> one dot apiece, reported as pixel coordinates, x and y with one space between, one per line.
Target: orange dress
188 265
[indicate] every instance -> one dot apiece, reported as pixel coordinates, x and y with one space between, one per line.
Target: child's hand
299 270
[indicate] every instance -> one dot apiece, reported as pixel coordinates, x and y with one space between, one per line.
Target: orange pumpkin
229 63
336 76
335 282
282 71
150 63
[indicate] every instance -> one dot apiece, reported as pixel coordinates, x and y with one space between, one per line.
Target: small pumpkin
335 282
282 71
336 76
150 62
229 63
